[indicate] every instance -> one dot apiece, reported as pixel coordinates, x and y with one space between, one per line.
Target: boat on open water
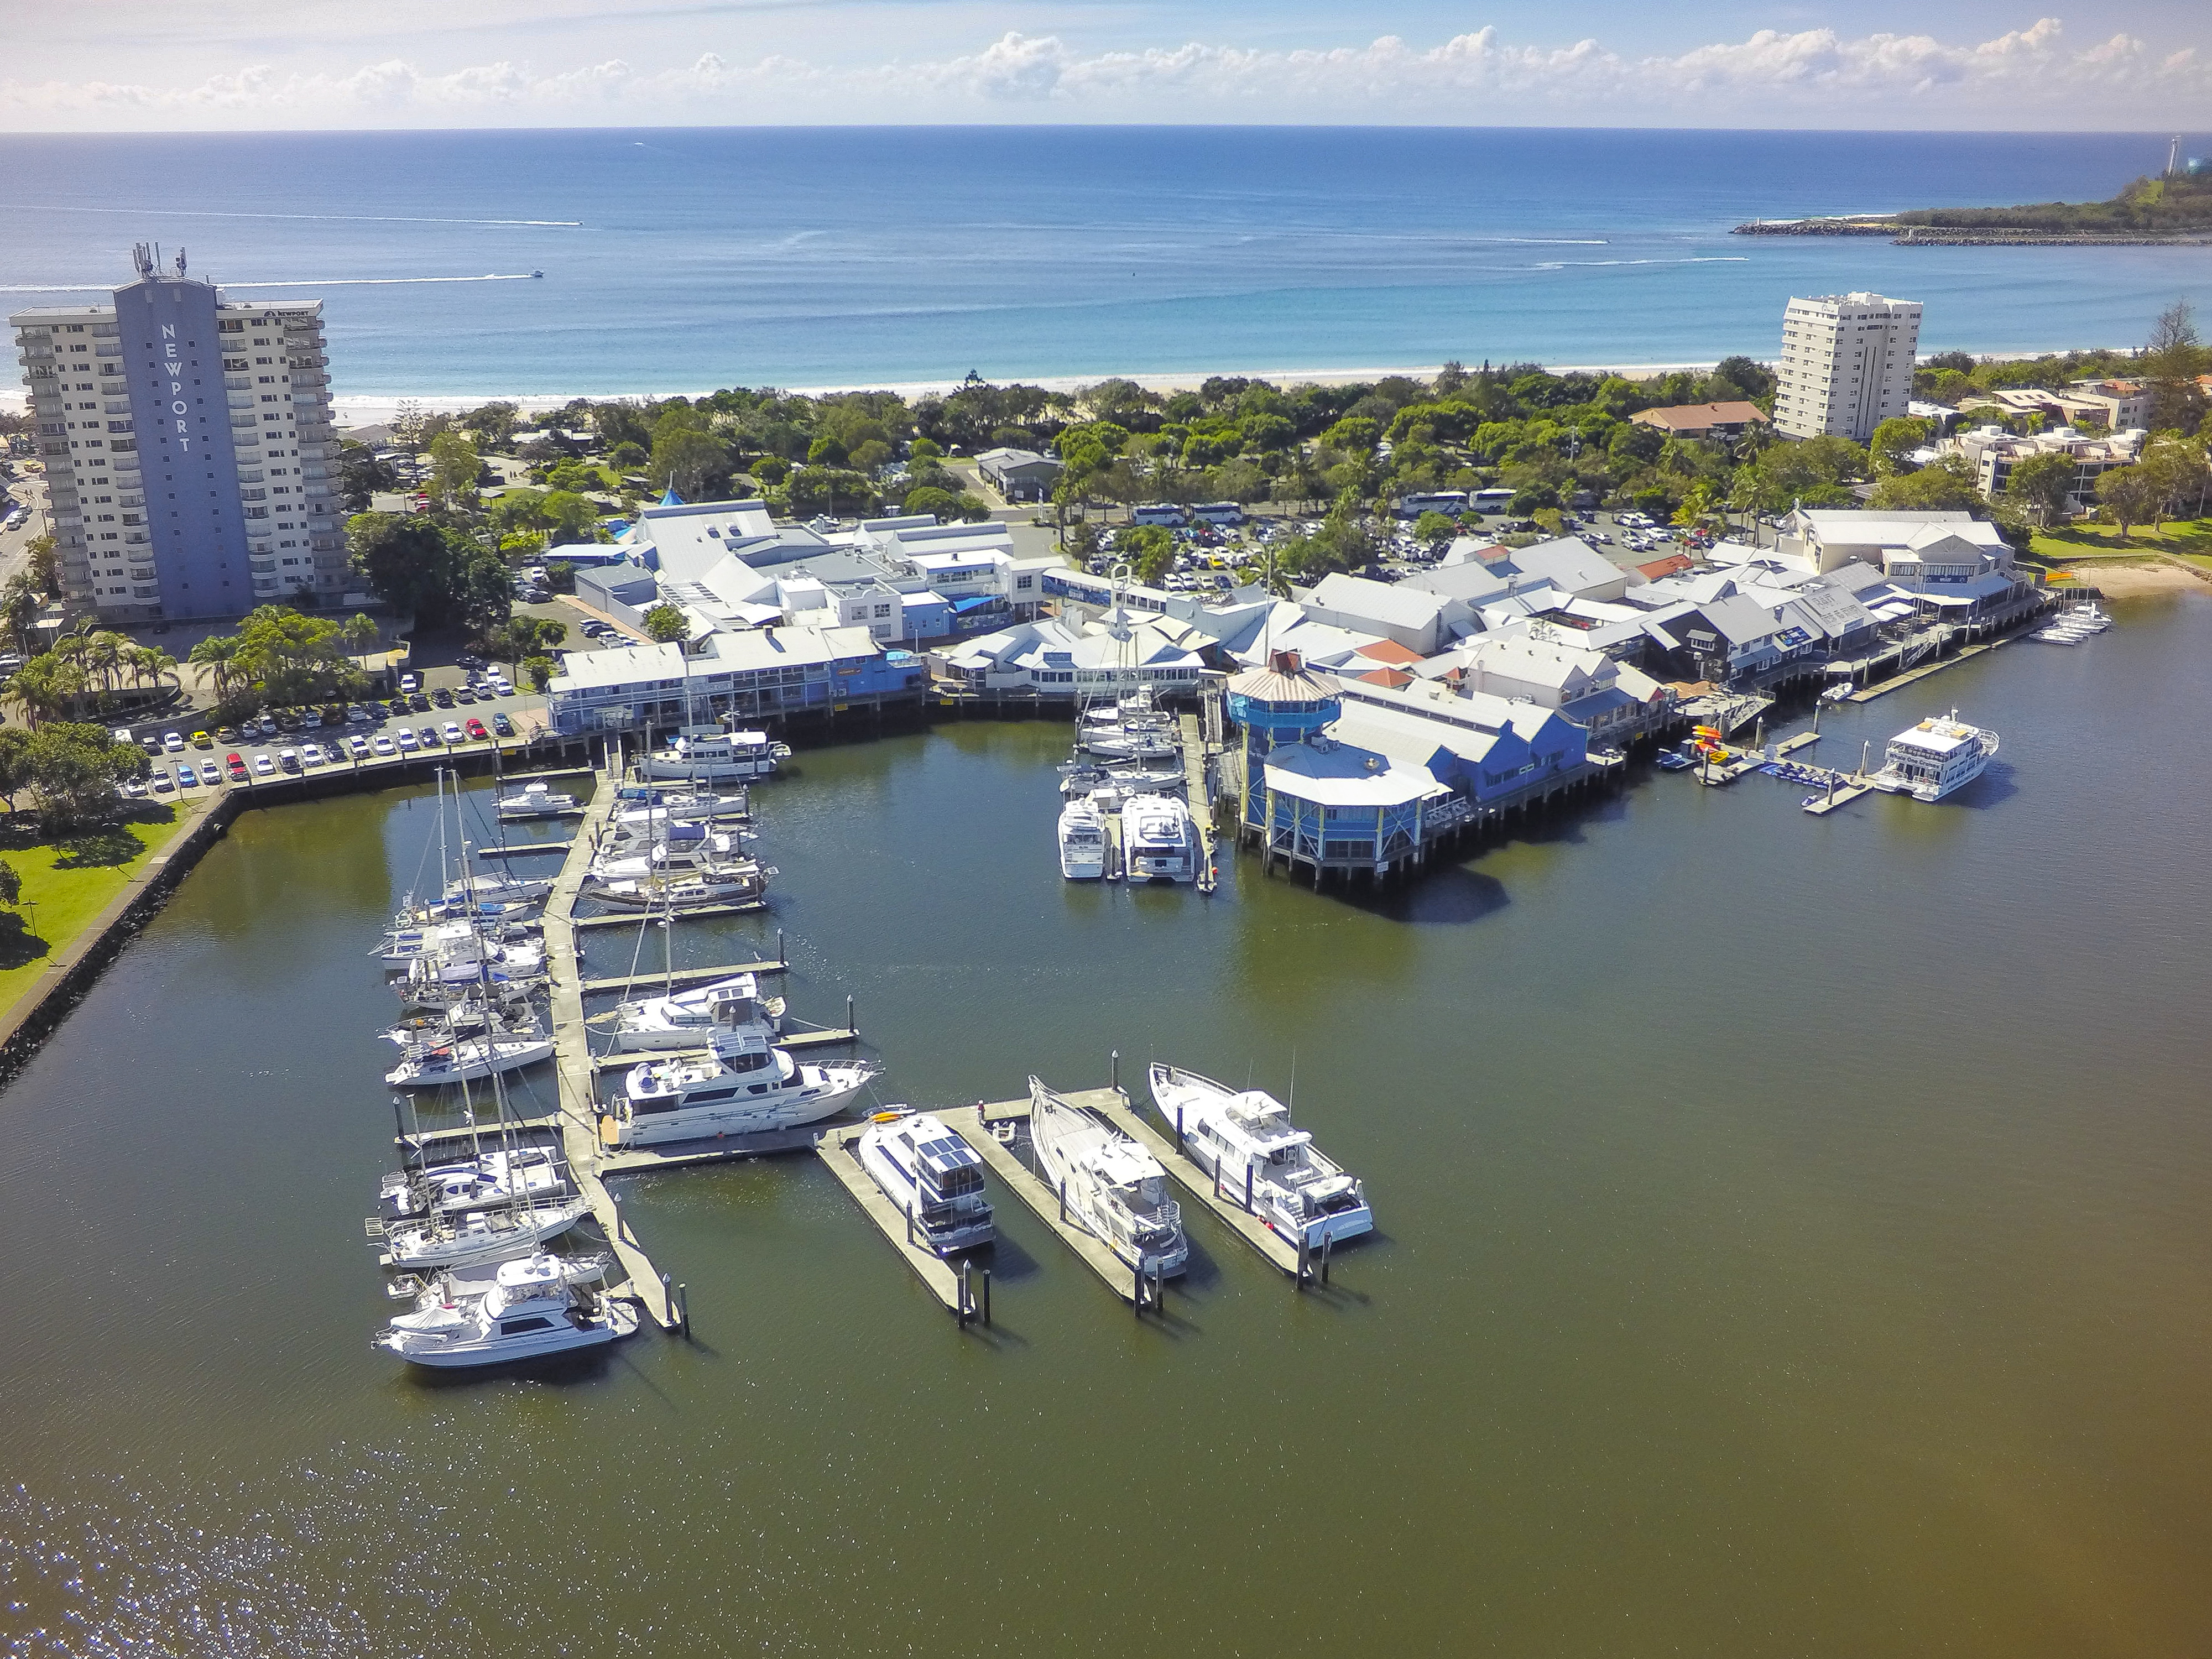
1933 759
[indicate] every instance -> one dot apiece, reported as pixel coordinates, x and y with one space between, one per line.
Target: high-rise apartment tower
1846 365
188 449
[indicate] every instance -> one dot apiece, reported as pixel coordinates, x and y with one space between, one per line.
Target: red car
236 763
477 731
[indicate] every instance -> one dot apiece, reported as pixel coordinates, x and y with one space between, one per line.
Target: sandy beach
2137 579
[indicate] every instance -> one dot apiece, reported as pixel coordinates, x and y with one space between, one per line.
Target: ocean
685 259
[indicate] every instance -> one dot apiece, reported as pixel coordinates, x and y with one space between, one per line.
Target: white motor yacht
708 754
691 1019
1082 842
428 1061
932 1175
1160 839
536 800
494 1233
742 1086
429 1290
1129 743
428 984
1932 759
530 1311
1243 1138
1113 1188
471 1183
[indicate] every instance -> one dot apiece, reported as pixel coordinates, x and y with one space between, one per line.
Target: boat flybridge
742 1085
691 1019
1243 1138
532 1309
709 754
1932 759
1113 1188
932 1175
1082 841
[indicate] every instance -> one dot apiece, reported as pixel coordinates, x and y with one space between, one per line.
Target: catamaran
742 1086
932 1175
1934 758
530 1311
1112 1187
1243 1138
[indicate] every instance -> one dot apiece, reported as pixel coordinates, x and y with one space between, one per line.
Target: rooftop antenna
180 262
142 256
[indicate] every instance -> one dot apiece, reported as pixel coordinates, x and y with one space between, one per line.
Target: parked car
264 767
311 754
477 731
173 742
451 733
236 766
429 737
442 697
186 777
408 740
162 781
384 745
411 683
501 724
201 740
151 745
358 744
470 659
288 759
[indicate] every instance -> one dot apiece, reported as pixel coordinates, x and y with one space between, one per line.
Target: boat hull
754 1115
475 1059
437 1352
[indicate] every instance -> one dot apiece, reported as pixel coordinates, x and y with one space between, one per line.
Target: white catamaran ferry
1243 1138
1941 754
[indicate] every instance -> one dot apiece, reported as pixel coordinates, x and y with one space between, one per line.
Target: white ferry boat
743 1086
1160 839
694 1018
708 754
931 1175
1114 1189
531 1310
1941 754
1243 1138
1082 842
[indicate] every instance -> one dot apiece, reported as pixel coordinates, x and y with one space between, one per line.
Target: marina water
1792 1241
679 260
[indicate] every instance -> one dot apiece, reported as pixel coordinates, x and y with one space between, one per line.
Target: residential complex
188 449
1846 365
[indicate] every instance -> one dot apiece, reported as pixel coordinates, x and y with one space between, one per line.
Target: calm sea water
1793 1243
870 256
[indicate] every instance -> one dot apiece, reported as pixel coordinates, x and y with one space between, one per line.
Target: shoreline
363 409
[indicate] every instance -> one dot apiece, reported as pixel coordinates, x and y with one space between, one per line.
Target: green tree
694 464
1893 440
1353 435
2176 466
2129 495
75 769
454 467
14 767
540 670
665 623
11 883
1946 487
2041 485
43 562
1149 551
1434 527
405 558
2172 359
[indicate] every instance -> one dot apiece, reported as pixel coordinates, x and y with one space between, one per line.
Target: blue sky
154 64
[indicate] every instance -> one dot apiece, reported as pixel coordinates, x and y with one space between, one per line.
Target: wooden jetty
543 1125
1198 797
971 1124
682 977
711 1149
524 849
962 1297
696 913
578 1114
1228 1207
547 777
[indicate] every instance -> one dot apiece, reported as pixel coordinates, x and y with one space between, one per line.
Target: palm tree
103 656
159 663
218 654
360 633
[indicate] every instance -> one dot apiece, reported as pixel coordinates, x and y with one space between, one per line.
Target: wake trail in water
326 282
320 218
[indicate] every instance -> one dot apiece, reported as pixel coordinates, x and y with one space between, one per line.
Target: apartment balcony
238 383
120 407
150 592
142 573
254 494
257 512
242 400
108 351
130 519
131 501
262 567
136 538
36 355
106 330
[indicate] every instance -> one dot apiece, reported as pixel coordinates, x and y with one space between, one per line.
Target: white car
162 781
264 767
407 741
453 734
358 743
383 745
311 754
173 742
409 684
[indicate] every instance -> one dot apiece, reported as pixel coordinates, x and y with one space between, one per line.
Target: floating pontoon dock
956 1288
1115 1106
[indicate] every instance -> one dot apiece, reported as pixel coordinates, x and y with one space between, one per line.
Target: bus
1163 513
1218 513
1450 503
1491 501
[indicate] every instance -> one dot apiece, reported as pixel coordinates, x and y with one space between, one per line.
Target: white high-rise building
1846 365
188 449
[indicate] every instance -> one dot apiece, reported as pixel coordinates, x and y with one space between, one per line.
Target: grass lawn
2091 541
71 880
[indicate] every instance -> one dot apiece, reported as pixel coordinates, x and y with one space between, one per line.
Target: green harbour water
1792 1242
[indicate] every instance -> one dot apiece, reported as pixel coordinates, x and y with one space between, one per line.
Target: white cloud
1810 77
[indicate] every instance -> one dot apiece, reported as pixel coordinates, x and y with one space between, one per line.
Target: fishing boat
1111 1187
1243 1138
743 1086
708 754
430 1060
932 1175
536 800
691 1019
1160 839
530 1311
1082 841
1936 758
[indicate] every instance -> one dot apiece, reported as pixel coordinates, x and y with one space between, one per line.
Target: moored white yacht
537 800
429 1059
467 940
1160 839
1082 841
742 1086
740 883
494 1233
530 1311
710 754
484 1178
1114 1189
1245 1140
691 1019
932 1175
1932 759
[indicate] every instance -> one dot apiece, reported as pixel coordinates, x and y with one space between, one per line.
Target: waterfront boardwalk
1199 800
837 1149
579 1112
1116 1107
1911 676
971 1124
